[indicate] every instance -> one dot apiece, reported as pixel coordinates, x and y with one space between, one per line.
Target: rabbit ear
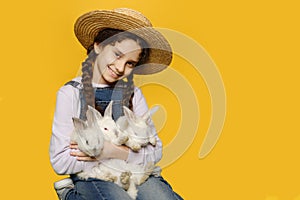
91 115
108 110
93 111
79 124
122 122
149 113
153 110
129 114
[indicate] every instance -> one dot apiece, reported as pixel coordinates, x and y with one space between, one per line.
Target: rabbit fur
106 124
90 136
86 135
138 129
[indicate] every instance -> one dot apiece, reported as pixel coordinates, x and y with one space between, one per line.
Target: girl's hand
79 154
109 151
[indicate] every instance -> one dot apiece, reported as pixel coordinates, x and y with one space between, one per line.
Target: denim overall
155 188
103 96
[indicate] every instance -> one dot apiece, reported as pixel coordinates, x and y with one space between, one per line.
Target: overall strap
102 98
76 84
73 83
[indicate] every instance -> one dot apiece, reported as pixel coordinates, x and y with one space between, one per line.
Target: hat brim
88 26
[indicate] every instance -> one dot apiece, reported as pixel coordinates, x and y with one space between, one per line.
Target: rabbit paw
136 147
125 179
153 141
122 139
109 177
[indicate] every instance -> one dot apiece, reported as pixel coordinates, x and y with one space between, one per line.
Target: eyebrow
121 53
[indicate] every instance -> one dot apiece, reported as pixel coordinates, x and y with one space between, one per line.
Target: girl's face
115 62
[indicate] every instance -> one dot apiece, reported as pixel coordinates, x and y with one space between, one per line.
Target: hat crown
135 14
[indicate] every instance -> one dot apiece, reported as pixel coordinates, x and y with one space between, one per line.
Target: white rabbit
87 136
124 174
107 125
138 129
91 135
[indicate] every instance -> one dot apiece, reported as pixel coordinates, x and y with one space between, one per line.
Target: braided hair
110 37
87 75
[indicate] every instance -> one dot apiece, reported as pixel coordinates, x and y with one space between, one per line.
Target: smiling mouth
113 73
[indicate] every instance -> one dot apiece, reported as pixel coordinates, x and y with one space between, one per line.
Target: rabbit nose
96 152
95 149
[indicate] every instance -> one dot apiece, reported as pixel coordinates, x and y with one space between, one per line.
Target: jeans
95 189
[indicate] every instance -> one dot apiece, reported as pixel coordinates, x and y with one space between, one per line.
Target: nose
120 66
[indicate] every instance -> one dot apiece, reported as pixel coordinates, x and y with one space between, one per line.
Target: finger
78 154
86 158
82 156
73 146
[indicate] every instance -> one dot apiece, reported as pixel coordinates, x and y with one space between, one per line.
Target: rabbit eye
106 129
87 142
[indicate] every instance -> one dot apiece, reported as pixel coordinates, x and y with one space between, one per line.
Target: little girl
119 43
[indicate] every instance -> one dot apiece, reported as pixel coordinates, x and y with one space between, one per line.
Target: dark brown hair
110 37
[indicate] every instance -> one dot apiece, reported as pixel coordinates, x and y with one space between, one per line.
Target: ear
122 123
150 112
129 114
92 111
153 110
92 116
108 110
79 124
97 48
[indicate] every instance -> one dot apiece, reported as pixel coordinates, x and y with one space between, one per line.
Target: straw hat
89 24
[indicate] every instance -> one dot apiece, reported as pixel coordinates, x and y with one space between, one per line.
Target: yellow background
255 45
